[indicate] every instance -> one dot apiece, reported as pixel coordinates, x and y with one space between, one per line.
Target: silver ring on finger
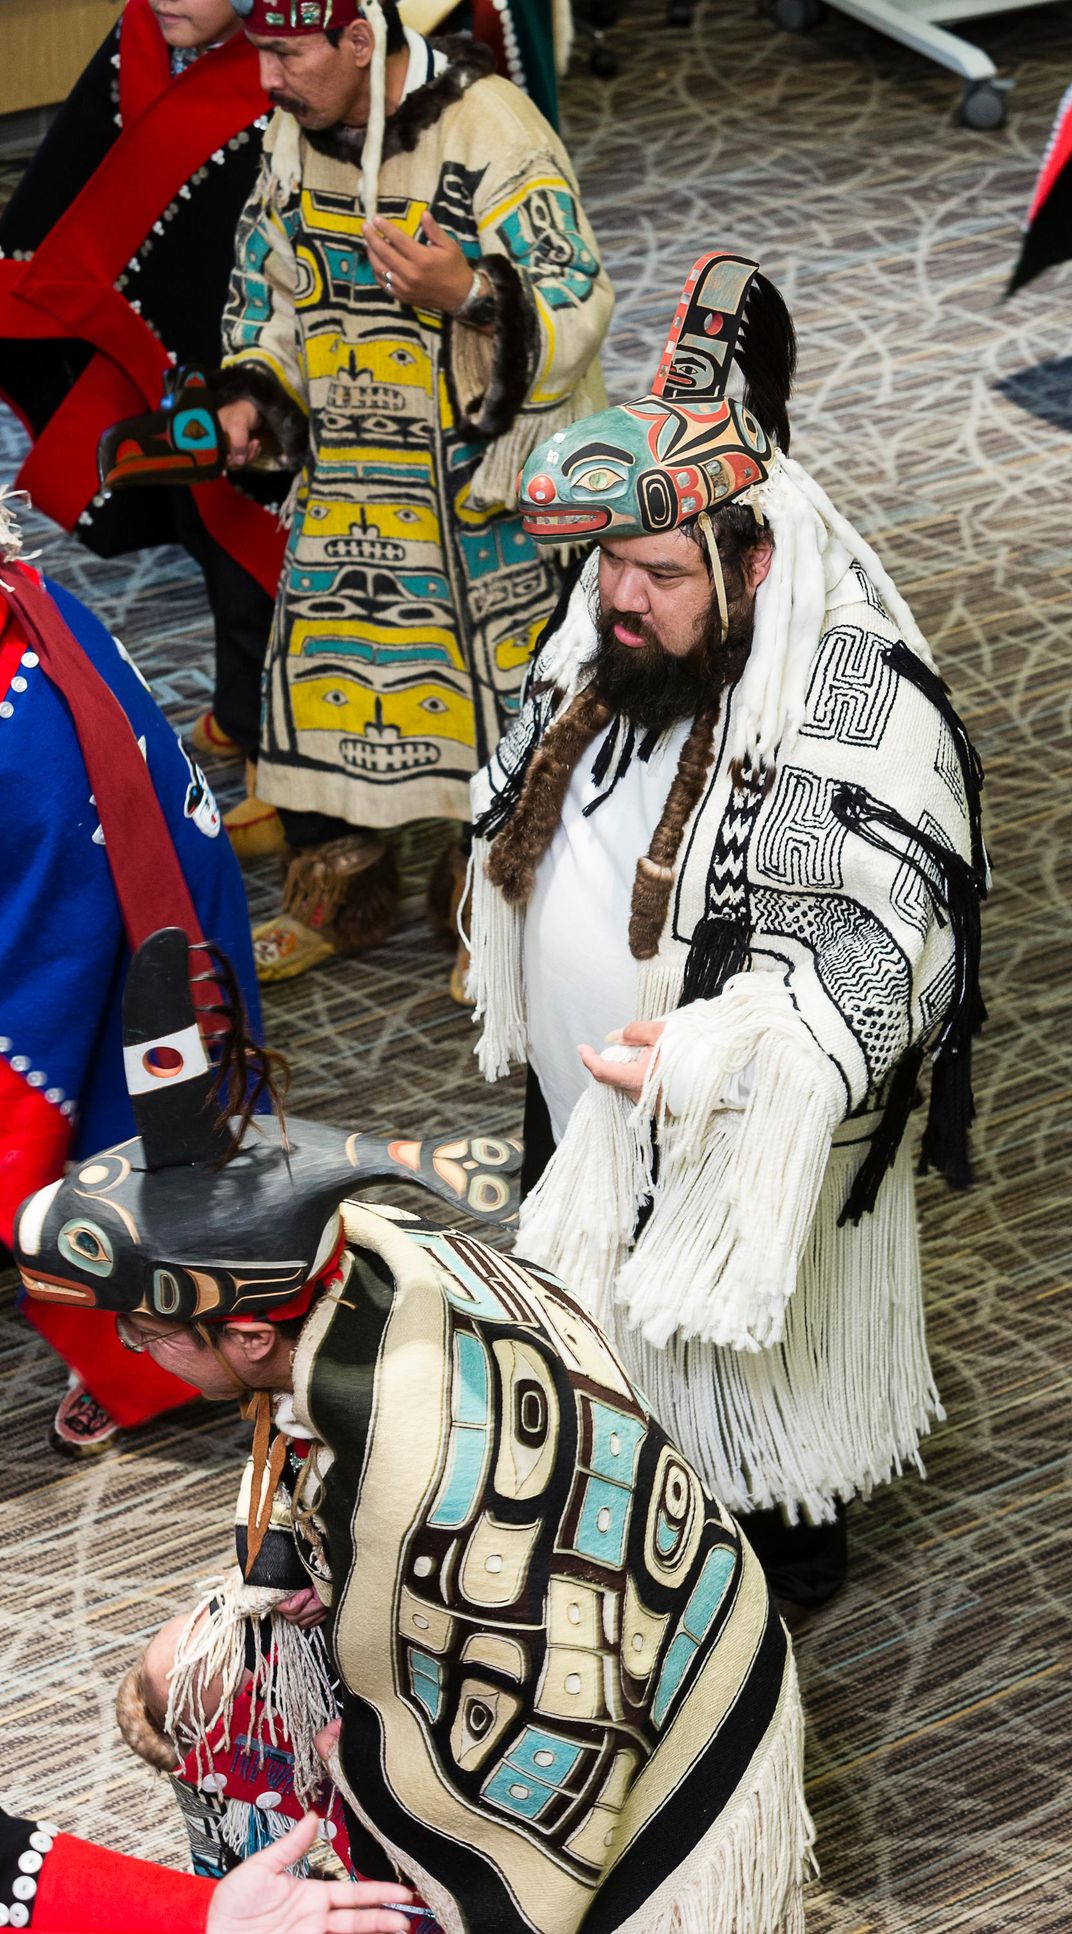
389 282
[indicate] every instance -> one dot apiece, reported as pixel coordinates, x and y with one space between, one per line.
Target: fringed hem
749 1872
291 1689
496 981
841 1404
736 1190
579 1219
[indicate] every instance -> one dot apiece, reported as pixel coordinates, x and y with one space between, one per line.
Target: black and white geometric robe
782 1347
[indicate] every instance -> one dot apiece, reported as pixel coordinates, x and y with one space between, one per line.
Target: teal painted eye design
600 479
87 1246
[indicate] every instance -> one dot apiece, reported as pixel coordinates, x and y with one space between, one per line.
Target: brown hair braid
517 850
655 869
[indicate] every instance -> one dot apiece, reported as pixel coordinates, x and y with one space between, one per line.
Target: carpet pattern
938 1685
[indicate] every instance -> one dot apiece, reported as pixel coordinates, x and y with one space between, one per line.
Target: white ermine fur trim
573 646
860 549
747 1875
291 1691
496 980
372 150
775 1430
736 1189
813 543
282 147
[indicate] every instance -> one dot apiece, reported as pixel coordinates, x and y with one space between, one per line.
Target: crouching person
566 1699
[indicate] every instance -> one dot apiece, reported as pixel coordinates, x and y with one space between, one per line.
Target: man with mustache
417 300
734 834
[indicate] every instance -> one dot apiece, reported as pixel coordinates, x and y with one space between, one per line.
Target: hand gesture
303 1608
627 1076
428 274
260 1897
239 423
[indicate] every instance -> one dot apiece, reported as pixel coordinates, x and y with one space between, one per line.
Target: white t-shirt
580 977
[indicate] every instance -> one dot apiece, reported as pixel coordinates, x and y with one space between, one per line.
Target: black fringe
905 663
717 950
766 356
248 1079
955 891
904 1095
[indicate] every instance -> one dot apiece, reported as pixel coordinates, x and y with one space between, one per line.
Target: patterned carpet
937 1686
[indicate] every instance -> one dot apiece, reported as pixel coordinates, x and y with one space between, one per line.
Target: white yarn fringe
579 1219
496 979
747 1876
841 1403
291 1693
736 1189
234 1828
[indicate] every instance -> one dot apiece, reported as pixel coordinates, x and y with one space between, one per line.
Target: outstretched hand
428 274
260 1897
628 1076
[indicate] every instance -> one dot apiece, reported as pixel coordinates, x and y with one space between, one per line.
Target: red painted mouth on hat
56 1289
544 523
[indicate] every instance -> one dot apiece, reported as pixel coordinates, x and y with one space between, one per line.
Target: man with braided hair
734 834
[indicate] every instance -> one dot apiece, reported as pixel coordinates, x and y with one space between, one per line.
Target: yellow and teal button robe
411 596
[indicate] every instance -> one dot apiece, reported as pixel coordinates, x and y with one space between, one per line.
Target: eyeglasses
139 1341
133 1339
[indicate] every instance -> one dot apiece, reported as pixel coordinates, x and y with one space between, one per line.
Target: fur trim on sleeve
490 376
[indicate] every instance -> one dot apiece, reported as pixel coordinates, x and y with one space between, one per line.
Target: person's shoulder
493 111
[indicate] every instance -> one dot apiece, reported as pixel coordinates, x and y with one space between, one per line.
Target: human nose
271 73
631 592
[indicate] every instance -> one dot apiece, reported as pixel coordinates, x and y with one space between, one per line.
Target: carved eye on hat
88 1246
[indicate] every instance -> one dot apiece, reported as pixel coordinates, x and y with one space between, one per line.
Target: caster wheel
603 63
679 13
983 105
798 16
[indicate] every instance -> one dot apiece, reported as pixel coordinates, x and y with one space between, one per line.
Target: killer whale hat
686 451
203 1218
686 446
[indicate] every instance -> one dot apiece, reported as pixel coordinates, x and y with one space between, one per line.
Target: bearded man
417 301
735 832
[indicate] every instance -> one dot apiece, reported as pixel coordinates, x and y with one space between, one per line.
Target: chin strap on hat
256 1407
